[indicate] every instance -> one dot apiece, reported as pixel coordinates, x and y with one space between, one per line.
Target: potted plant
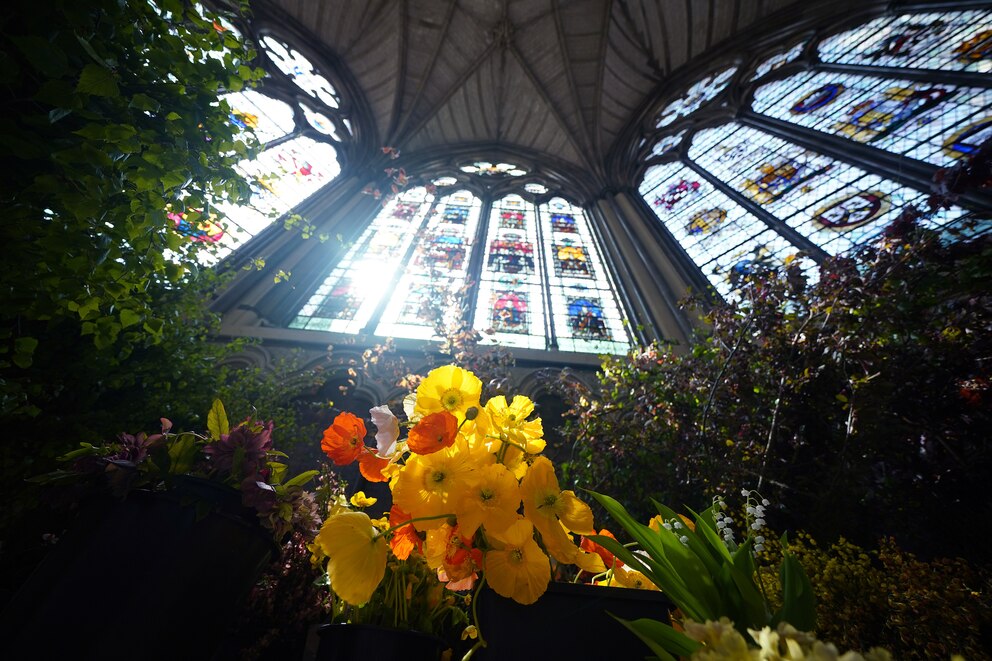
176 530
470 489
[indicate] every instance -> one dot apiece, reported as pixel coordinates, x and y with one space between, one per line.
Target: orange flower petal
433 432
406 539
344 440
371 466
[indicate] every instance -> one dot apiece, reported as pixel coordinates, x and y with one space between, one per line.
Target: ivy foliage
113 117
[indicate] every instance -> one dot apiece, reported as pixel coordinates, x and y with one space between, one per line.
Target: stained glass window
583 303
700 93
667 143
348 297
720 236
957 41
931 122
320 122
436 271
302 72
487 169
445 181
535 188
834 204
282 176
511 294
271 119
777 61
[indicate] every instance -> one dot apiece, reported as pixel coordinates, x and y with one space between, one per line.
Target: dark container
569 621
158 575
364 642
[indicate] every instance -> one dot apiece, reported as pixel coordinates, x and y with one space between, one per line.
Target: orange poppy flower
406 539
433 432
344 440
371 465
609 559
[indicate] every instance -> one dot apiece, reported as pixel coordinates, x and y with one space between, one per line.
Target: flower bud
472 413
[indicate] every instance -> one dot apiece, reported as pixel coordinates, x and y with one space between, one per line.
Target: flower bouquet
470 491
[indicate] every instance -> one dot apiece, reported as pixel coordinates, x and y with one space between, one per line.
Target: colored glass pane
936 123
510 303
270 118
283 176
716 232
953 40
583 303
695 97
435 276
320 122
777 61
536 189
832 203
488 169
300 70
350 294
445 181
667 143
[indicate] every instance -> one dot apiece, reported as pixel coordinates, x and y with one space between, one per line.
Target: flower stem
419 518
481 642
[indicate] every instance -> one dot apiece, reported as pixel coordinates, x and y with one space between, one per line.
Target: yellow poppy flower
356 555
430 485
631 578
555 512
448 388
516 567
511 419
491 501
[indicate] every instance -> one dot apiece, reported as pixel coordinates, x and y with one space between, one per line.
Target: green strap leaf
664 641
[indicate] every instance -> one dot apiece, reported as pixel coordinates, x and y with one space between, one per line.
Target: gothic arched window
822 159
525 275
298 155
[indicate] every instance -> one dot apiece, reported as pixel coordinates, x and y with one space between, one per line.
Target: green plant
241 457
706 576
917 609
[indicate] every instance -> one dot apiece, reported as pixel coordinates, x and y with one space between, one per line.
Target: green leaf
144 102
183 452
24 351
91 52
798 600
217 421
55 114
98 81
664 641
302 479
129 318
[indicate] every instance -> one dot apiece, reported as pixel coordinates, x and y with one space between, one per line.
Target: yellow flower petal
448 388
491 501
356 555
361 500
516 567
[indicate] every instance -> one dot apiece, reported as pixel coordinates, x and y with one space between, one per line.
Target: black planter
154 576
363 642
569 621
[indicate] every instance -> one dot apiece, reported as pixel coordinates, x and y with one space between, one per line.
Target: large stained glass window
291 166
774 197
915 119
955 41
434 278
510 304
349 296
721 237
834 204
584 307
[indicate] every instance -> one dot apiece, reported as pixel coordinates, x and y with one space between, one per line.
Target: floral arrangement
410 595
471 493
241 457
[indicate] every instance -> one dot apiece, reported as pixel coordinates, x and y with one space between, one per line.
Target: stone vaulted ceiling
558 77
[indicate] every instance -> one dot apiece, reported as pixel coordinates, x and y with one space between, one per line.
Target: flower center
549 500
516 555
451 399
487 495
437 477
